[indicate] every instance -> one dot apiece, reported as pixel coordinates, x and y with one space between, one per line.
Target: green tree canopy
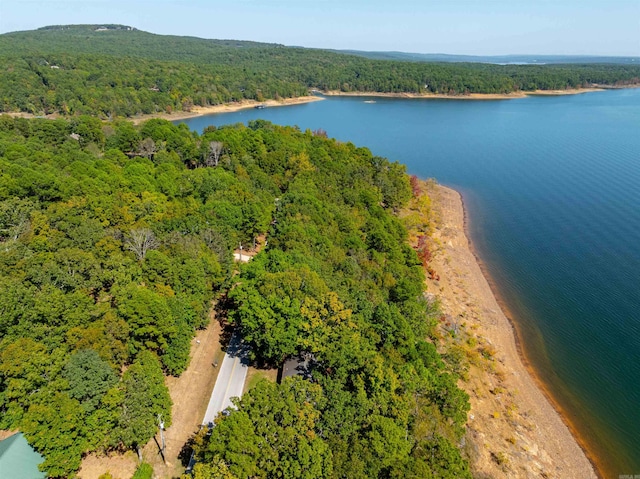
275 433
89 377
145 397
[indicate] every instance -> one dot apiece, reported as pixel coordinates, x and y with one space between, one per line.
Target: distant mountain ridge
96 27
494 59
132 41
112 70
120 40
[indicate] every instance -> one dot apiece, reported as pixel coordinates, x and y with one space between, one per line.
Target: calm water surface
552 189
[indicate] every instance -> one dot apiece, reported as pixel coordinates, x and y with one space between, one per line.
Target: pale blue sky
478 27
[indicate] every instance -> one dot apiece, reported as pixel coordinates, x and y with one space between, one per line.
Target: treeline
115 238
121 72
107 87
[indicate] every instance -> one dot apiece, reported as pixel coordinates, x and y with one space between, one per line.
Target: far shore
195 111
317 95
515 427
470 96
227 108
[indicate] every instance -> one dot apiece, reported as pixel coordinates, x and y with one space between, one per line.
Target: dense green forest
115 238
114 71
493 59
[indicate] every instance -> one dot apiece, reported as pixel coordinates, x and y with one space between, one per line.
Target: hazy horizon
458 27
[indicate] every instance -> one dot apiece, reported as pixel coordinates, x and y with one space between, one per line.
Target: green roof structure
18 460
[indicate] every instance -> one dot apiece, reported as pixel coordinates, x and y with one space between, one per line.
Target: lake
552 191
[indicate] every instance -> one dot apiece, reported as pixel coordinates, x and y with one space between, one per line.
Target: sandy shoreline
514 429
226 108
469 96
195 111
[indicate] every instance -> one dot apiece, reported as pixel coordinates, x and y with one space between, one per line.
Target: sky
471 27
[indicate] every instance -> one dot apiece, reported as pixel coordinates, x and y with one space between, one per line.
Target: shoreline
533 373
318 95
512 410
198 111
474 96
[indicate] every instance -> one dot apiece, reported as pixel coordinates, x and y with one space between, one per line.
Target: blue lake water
552 190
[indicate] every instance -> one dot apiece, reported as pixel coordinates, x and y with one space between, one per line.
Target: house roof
297 366
18 460
292 367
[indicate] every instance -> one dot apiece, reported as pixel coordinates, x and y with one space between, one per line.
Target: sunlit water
552 190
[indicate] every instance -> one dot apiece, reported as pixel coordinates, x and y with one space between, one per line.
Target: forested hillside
493 59
113 70
115 238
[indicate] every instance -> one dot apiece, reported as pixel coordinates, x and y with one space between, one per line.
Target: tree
214 151
149 318
147 148
271 324
144 471
274 433
176 357
56 429
388 441
90 130
234 440
89 377
25 368
126 138
216 469
441 458
14 219
145 396
140 241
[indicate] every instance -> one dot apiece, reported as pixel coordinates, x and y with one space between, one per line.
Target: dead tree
147 148
140 241
14 219
213 153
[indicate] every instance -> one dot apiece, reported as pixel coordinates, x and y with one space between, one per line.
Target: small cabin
296 366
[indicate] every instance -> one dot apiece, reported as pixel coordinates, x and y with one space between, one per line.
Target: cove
552 193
